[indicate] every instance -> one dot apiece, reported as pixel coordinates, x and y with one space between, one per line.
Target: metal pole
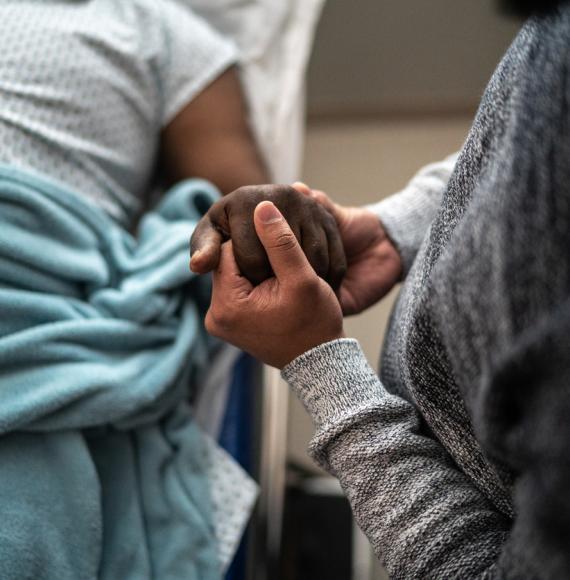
268 519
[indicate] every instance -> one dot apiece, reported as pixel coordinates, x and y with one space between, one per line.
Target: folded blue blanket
101 464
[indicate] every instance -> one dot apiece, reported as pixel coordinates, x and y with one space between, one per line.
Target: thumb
283 250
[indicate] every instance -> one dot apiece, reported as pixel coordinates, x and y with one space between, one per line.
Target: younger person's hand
232 218
282 317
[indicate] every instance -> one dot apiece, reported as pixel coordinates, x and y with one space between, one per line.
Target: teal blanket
101 472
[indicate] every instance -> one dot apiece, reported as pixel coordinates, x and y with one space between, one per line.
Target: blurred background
393 85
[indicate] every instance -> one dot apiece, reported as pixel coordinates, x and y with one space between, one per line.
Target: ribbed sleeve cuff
406 220
407 216
333 380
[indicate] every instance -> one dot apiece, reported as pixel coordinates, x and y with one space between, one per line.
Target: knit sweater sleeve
423 516
407 215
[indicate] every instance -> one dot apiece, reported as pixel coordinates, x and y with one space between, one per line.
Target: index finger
227 275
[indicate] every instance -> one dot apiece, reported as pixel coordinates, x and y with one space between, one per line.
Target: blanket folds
100 333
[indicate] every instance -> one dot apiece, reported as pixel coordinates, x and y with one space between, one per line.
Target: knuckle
257 193
215 220
243 200
281 191
340 270
255 267
213 214
286 198
307 286
336 275
319 260
320 254
244 190
218 319
198 233
254 261
285 241
326 218
210 324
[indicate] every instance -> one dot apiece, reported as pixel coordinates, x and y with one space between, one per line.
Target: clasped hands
287 264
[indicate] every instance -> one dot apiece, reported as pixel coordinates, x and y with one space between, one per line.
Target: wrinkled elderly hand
282 317
232 218
374 265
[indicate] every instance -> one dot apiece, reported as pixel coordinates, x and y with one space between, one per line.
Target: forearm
407 215
228 159
424 517
212 139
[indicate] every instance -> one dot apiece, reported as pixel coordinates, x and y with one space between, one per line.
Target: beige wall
405 55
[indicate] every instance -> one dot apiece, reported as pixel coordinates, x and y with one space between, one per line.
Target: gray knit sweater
457 461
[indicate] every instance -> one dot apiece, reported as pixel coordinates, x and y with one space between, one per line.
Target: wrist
310 345
333 380
392 252
383 239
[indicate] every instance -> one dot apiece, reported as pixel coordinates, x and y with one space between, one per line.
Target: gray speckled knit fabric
456 462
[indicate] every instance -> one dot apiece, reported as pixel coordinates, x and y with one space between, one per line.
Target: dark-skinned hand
374 265
231 218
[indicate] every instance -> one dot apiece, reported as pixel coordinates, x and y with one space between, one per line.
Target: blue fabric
237 438
101 463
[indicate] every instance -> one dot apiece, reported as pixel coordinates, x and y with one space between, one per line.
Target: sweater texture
456 460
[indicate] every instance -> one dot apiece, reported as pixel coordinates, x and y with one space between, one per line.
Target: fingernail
268 213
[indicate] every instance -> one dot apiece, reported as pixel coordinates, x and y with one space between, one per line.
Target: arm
381 240
425 517
211 138
406 216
